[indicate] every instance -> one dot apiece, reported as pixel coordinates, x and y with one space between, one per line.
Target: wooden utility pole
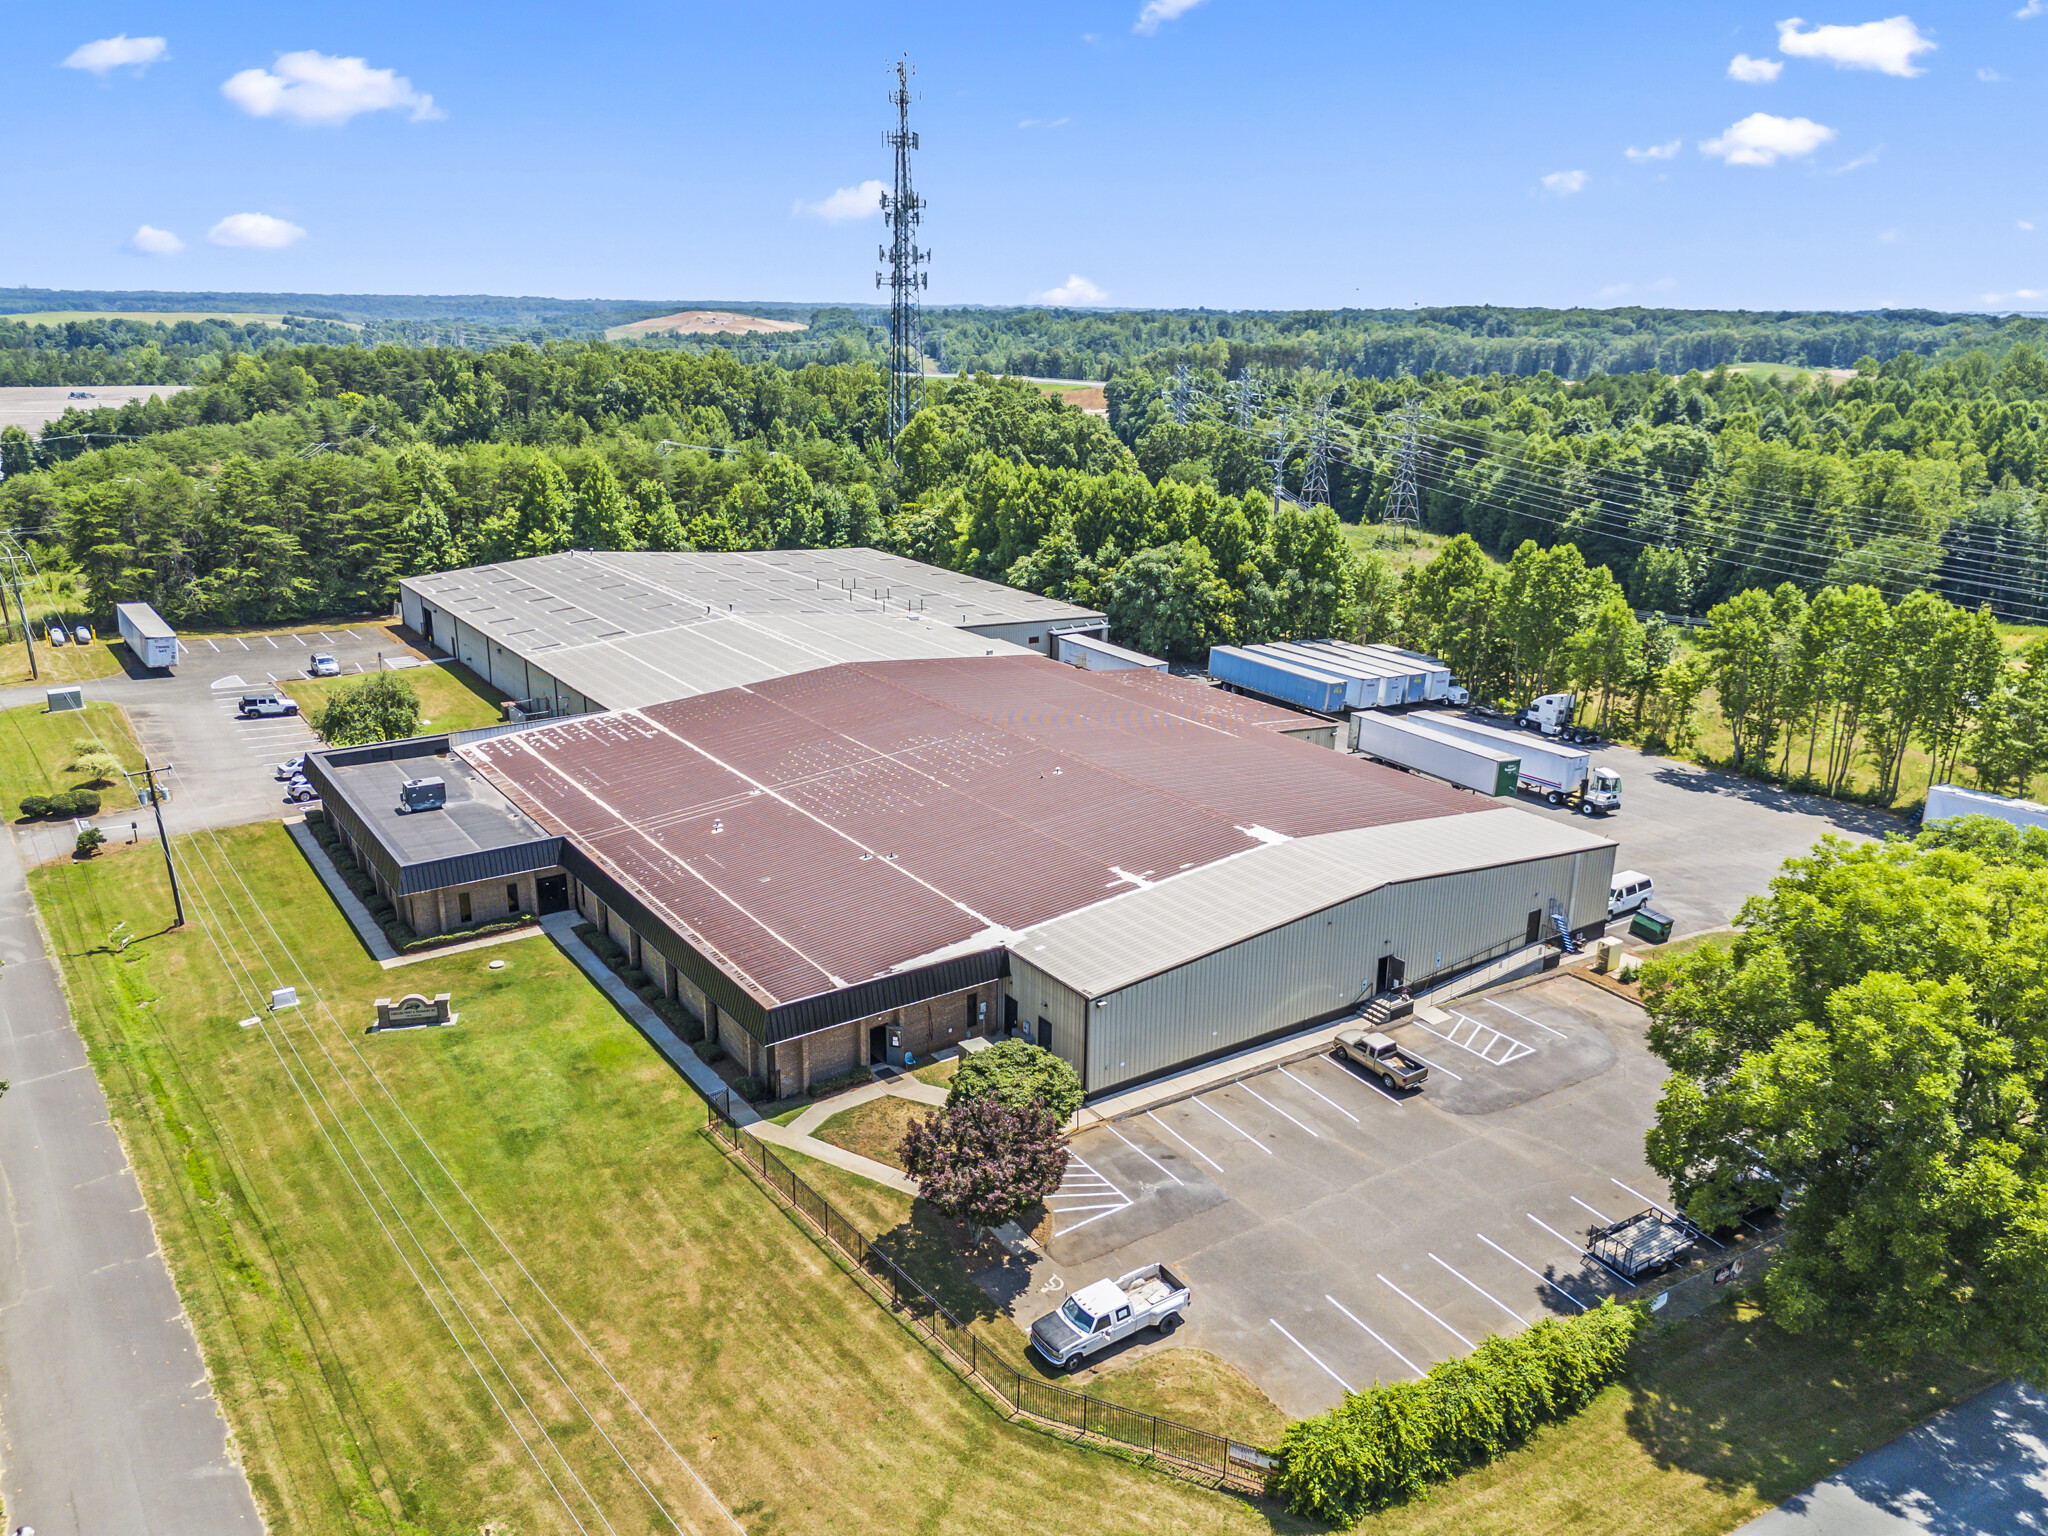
156 804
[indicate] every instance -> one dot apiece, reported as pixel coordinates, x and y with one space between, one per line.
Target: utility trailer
151 641
1562 775
1642 1244
1406 742
1278 678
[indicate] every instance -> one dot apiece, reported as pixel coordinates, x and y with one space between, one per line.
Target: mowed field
29 406
140 316
494 1273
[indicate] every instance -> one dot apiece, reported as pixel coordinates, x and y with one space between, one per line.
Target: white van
1631 889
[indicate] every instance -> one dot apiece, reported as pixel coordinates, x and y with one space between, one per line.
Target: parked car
323 665
54 633
1378 1054
1630 888
1098 1315
257 705
82 634
300 792
291 767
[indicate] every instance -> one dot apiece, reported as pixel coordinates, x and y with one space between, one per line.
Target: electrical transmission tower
1247 401
1315 478
1404 503
1182 380
1276 460
903 210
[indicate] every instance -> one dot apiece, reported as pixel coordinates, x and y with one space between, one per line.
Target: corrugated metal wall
1040 996
1319 966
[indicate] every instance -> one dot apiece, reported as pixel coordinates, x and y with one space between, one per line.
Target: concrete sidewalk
798 1135
109 1419
367 927
561 927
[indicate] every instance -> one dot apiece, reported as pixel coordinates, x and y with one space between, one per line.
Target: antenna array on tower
904 276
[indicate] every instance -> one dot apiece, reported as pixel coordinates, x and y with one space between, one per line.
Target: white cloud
313 87
1868 157
2031 8
1760 139
1754 71
1615 291
1989 75
1886 46
2005 299
1157 12
1888 237
148 240
1565 183
116 51
861 202
1076 291
2025 223
255 231
1656 151
1039 122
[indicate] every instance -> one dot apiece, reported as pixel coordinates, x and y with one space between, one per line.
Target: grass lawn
937 1073
56 665
35 745
874 1129
288 1170
452 698
1401 547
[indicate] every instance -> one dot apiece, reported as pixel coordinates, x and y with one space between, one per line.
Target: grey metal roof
476 819
1129 937
628 629
147 621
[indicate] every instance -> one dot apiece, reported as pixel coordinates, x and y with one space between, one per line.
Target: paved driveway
1335 1234
1980 1469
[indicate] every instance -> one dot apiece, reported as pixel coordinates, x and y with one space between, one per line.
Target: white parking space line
273 643
1418 1306
1290 1338
352 634
1606 1221
1247 1087
1098 1194
329 639
1383 1344
1511 1312
241 642
1447 1072
215 647
1311 1087
1120 1136
1176 1135
1496 1247
1247 1135
302 641
1504 1008
1575 1248
1482 1041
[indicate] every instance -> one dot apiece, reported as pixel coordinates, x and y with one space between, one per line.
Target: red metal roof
826 828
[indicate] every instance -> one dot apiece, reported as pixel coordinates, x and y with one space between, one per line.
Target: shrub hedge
66 802
1390 1442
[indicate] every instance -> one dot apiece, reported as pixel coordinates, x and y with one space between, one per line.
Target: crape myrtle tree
1871 1054
981 1161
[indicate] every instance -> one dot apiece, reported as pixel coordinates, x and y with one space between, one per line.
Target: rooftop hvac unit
423 794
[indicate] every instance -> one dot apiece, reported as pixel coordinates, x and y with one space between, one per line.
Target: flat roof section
821 830
476 819
635 627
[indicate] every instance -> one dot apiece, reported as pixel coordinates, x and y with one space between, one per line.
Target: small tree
1019 1074
984 1162
97 765
88 843
381 707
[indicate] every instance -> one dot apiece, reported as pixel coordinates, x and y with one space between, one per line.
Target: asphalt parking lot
1710 840
1336 1235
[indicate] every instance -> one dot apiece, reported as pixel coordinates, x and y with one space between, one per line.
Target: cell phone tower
903 211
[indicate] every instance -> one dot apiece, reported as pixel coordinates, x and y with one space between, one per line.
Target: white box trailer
1946 800
1372 683
1562 775
1406 742
1436 675
1092 653
152 641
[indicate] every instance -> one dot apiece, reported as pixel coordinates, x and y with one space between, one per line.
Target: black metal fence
1177 1446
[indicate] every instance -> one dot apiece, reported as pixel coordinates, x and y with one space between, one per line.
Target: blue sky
1149 152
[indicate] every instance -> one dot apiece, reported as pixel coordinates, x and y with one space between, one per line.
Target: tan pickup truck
1376 1053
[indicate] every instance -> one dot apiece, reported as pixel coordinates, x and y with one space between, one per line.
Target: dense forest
1840 537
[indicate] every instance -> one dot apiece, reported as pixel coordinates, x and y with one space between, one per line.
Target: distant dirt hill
706 322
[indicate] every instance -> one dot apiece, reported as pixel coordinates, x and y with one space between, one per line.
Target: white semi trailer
1946 800
150 640
1407 742
1562 775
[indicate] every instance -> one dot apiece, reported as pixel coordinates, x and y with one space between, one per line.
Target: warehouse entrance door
1392 970
551 894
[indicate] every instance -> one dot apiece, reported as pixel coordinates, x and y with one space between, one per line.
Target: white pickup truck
1098 1315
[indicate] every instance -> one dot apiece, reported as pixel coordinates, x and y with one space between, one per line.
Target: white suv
324 665
1631 889
257 705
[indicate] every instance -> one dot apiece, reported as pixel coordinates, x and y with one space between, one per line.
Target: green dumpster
1651 924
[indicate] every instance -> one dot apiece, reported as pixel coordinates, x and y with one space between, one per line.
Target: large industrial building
845 862
582 631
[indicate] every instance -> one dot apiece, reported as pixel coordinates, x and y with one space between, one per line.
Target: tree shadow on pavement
1862 820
